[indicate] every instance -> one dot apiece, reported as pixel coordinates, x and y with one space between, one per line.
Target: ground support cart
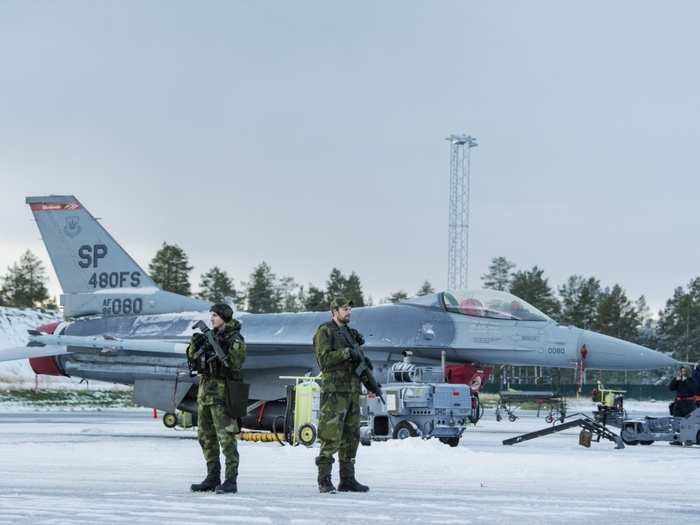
676 430
303 410
610 409
418 404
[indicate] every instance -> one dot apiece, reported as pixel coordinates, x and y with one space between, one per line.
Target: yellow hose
262 437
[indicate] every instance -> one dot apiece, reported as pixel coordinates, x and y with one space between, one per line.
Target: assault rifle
218 351
363 370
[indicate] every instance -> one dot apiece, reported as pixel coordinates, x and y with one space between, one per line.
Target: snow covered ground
122 466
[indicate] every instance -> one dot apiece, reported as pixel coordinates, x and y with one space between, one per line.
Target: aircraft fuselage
281 344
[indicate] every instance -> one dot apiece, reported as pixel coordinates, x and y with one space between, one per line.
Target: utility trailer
510 400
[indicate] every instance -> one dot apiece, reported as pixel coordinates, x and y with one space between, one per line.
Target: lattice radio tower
460 168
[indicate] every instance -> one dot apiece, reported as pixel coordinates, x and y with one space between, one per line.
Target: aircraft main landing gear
181 419
170 420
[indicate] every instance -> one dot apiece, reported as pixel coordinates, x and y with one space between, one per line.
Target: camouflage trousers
338 428
216 428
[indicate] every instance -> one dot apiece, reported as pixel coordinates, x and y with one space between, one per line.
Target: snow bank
14 323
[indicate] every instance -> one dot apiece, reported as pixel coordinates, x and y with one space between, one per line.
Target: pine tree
648 331
579 301
170 269
336 284
316 300
263 291
499 276
289 292
532 287
643 311
24 285
301 299
397 297
353 290
678 328
425 289
216 286
616 315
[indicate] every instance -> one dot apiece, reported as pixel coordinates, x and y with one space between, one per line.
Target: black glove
198 340
355 355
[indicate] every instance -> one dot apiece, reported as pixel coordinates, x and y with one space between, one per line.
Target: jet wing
259 354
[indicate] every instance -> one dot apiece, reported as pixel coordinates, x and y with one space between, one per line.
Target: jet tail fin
85 256
96 274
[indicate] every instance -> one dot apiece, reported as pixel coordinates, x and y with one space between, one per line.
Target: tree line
580 301
264 291
25 285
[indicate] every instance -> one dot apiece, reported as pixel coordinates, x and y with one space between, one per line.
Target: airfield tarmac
119 466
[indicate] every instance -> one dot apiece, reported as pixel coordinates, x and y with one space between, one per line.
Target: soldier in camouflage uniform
215 427
339 422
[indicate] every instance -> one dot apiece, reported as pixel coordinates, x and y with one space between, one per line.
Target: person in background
696 378
685 389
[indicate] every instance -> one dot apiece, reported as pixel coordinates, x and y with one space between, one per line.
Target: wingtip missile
108 343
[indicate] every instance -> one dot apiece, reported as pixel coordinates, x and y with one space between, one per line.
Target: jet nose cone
610 353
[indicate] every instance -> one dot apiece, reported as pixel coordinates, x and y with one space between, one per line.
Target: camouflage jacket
333 355
211 388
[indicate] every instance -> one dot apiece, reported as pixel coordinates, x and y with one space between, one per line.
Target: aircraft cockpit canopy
492 304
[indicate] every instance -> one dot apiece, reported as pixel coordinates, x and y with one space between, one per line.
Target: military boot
212 480
227 487
325 485
348 483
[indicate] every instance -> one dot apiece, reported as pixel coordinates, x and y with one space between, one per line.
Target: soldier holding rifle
217 356
345 369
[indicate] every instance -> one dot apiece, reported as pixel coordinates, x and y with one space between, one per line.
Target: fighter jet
122 328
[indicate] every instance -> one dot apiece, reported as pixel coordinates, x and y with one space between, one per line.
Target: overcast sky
311 134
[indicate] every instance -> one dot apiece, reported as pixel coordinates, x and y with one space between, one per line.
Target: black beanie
222 310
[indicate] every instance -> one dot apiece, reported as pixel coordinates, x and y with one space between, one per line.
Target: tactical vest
341 377
209 366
